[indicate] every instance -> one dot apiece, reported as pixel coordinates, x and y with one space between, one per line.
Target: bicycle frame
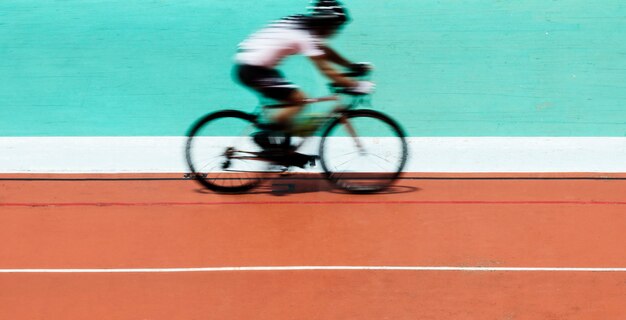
338 92
333 114
356 101
336 112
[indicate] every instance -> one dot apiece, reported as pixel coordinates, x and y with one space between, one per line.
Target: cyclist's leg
296 103
275 139
272 84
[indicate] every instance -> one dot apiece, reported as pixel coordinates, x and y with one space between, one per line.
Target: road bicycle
360 150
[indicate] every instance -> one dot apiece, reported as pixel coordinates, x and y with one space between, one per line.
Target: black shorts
269 82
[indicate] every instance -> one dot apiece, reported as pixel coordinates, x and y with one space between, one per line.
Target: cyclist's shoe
299 160
277 148
288 158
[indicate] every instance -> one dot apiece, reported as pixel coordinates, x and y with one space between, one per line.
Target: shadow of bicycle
294 184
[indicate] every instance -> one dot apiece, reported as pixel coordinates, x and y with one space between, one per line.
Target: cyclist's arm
321 62
333 56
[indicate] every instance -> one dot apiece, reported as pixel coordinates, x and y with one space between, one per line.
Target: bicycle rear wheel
363 151
221 155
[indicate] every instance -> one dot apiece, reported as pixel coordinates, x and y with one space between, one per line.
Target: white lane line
313 268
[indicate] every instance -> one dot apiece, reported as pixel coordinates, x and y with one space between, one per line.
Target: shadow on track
306 183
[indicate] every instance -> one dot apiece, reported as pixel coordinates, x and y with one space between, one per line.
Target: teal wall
444 68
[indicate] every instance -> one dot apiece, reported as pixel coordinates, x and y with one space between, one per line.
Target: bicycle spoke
213 155
374 165
345 162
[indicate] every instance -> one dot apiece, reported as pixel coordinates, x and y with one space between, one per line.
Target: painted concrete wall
444 68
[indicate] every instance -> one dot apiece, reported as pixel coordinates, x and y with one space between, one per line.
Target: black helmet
328 14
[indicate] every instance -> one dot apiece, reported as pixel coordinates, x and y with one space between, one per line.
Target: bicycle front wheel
363 151
221 155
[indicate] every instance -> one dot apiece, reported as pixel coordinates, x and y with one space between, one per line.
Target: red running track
113 223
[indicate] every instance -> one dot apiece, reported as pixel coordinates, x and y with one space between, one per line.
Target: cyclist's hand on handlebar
363 87
360 69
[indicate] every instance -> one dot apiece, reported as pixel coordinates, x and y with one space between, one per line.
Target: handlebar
343 90
356 74
352 74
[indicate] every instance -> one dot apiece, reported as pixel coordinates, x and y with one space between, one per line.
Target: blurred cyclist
260 55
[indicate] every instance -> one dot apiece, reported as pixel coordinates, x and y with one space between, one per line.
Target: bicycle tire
206 179
356 183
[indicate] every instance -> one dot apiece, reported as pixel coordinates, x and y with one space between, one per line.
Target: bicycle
222 156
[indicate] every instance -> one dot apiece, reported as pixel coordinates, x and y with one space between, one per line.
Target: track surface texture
125 247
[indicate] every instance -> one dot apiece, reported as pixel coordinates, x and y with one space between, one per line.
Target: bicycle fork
353 134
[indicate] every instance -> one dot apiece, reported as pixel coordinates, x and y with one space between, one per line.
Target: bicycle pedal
299 160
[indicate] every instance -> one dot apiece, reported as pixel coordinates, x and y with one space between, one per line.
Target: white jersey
269 46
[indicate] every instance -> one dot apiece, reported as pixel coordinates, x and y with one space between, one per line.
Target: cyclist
260 55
